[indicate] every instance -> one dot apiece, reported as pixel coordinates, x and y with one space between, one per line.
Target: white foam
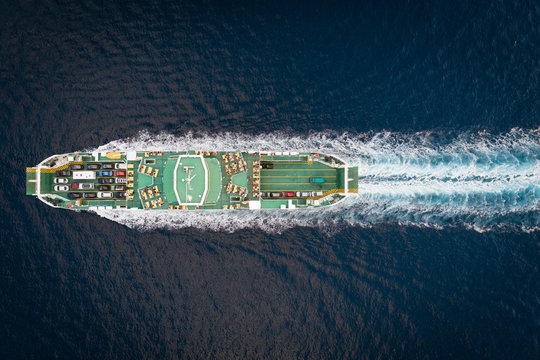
477 180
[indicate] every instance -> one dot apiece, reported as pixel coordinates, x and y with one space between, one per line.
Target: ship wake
473 180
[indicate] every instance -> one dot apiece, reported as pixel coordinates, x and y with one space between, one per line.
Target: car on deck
303 194
76 167
74 195
106 180
287 194
120 173
104 187
89 195
118 187
267 166
93 166
105 173
63 173
120 166
82 186
60 180
107 166
61 188
120 195
104 195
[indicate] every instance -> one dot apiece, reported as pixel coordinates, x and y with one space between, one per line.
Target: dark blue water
78 74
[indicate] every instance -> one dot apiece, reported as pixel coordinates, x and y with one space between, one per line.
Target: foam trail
477 180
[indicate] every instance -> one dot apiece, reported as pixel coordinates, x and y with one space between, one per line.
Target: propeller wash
326 180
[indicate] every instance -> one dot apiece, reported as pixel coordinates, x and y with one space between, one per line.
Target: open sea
437 102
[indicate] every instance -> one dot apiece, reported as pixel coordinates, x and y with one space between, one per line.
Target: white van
84 175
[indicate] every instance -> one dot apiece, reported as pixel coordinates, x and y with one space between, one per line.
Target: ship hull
191 180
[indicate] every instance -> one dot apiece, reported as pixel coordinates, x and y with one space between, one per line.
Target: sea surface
437 102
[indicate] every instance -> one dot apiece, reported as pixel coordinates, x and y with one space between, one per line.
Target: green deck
197 180
168 183
287 176
214 178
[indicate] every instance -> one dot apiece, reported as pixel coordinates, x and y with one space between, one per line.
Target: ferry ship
191 180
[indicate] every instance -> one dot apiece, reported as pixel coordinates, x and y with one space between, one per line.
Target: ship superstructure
191 180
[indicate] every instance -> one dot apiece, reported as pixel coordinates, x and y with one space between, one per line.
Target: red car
82 186
287 194
120 173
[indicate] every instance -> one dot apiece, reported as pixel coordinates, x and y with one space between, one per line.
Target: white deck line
346 178
38 177
346 172
38 180
174 180
205 180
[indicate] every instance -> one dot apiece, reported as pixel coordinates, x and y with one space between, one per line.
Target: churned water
476 180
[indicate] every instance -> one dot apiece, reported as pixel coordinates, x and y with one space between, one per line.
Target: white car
303 194
120 181
104 195
60 180
83 186
61 188
120 166
316 193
